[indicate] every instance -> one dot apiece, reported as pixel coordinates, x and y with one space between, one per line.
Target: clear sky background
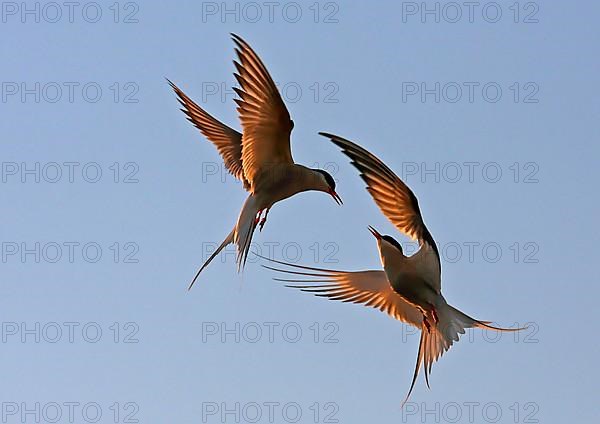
532 229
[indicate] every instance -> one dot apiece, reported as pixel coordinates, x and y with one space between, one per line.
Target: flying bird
260 156
409 287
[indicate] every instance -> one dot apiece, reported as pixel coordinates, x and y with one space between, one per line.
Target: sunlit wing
395 200
227 140
266 123
370 288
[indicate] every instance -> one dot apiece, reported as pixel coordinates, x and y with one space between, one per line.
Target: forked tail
434 342
241 235
244 229
228 240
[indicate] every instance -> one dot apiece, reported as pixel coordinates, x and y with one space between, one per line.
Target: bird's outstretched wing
266 123
370 288
227 140
395 200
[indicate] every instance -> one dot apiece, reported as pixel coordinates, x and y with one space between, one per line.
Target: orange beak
336 197
375 233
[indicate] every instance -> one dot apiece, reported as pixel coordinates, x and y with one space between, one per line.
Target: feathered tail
227 241
244 229
441 336
240 235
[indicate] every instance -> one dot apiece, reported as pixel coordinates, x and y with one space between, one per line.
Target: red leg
262 221
258 214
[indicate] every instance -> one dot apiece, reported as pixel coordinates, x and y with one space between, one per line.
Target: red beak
336 197
375 233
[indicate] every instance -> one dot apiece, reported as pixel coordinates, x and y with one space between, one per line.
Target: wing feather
227 140
394 198
370 288
266 122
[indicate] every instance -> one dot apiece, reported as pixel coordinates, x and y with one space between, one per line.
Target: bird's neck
309 179
393 261
283 182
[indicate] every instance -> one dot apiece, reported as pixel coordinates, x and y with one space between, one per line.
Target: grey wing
370 288
395 200
227 140
266 122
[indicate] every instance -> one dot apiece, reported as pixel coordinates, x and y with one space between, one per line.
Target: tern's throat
392 259
282 181
306 179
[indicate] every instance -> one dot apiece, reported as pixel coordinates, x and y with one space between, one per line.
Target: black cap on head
328 178
391 240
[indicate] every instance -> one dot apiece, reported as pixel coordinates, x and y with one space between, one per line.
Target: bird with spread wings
409 287
260 156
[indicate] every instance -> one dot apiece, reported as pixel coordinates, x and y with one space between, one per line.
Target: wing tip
348 147
239 41
173 86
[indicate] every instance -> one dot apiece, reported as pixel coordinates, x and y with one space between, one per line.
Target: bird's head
388 245
326 183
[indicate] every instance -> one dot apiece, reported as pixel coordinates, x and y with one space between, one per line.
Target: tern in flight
260 156
409 287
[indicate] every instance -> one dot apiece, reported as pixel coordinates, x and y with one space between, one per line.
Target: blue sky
111 200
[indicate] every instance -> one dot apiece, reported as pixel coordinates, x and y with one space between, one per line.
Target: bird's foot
257 218
262 221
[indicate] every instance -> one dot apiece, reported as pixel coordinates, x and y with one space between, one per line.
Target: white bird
260 156
409 287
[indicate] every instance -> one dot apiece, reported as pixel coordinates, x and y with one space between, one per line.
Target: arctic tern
260 156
